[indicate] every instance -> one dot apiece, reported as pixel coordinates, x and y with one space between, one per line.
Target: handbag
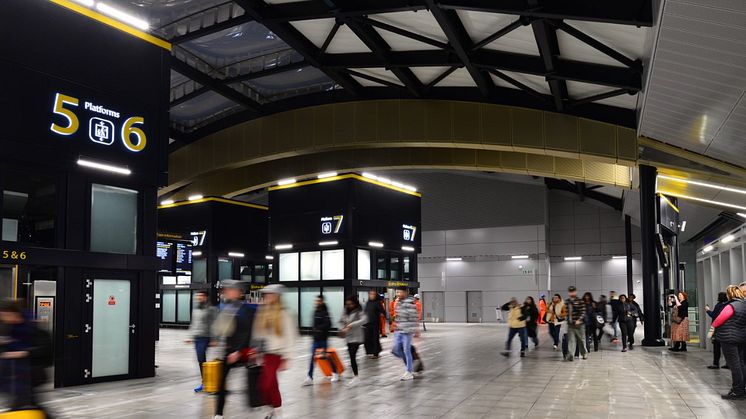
253 372
600 320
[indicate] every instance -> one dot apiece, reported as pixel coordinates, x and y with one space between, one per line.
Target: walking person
590 322
532 312
714 313
542 308
614 304
556 316
625 319
517 324
730 330
406 327
233 326
635 315
679 321
575 324
276 329
352 330
601 313
373 312
203 314
322 324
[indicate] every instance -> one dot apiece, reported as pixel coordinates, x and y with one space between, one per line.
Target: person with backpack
233 327
322 324
25 352
517 322
352 330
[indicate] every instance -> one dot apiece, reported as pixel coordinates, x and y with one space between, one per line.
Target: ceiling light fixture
704 184
195 197
167 202
370 176
326 175
727 239
519 257
87 3
454 259
269 257
573 258
197 253
375 244
123 16
283 247
236 254
683 226
740 214
708 249
122 170
407 248
706 201
619 257
329 243
286 182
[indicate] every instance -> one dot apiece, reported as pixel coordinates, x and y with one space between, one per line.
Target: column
650 288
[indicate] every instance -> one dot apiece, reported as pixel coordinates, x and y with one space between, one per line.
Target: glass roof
203 107
291 83
162 12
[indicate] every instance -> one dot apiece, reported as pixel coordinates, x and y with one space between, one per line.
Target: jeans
318 345
522 334
403 348
554 331
733 353
576 339
200 346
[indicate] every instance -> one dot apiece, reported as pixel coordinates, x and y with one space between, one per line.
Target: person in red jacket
542 308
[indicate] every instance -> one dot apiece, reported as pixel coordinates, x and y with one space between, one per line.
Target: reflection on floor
465 378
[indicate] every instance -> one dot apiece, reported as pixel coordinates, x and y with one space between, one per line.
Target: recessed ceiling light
326 175
619 257
573 258
375 244
167 202
269 257
236 254
283 246
123 16
195 197
727 239
707 249
519 257
407 248
286 182
104 166
329 243
454 259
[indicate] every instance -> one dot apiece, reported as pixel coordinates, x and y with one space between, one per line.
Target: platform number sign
409 232
331 225
104 129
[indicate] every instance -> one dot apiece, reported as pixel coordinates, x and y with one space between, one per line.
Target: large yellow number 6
128 129
60 101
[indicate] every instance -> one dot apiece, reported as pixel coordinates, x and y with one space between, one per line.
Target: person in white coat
352 329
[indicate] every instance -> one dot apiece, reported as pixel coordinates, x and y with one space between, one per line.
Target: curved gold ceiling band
406 124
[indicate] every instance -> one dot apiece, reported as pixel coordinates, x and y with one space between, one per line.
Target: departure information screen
183 257
164 252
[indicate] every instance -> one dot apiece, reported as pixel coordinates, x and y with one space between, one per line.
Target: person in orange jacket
383 316
392 314
542 308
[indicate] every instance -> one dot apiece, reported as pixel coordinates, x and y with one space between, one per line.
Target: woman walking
532 311
352 329
590 322
276 329
679 322
730 330
627 321
322 324
714 313
556 315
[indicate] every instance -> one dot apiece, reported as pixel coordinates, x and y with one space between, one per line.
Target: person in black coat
373 311
234 326
531 312
322 325
590 322
714 313
730 329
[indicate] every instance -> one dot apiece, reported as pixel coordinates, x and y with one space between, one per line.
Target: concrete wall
486 266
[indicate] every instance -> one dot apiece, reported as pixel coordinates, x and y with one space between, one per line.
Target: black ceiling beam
266 72
600 96
330 37
461 43
375 79
261 12
517 84
500 33
502 96
319 9
440 78
381 49
216 85
622 12
583 191
189 96
600 74
207 30
548 45
598 45
405 33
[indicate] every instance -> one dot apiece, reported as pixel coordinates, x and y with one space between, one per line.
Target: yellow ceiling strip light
212 199
113 23
707 201
668 201
704 184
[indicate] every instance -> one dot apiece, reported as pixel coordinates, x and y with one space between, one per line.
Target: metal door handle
132 328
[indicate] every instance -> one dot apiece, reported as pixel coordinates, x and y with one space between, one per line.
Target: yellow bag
23 414
212 373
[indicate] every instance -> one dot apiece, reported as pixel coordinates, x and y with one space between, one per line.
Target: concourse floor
465 377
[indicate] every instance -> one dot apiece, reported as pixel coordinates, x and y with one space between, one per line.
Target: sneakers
523 354
408 376
355 381
713 367
218 417
307 382
624 349
554 347
504 353
335 377
569 358
733 396
631 346
585 356
199 389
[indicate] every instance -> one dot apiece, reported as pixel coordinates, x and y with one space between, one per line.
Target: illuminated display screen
165 254
183 257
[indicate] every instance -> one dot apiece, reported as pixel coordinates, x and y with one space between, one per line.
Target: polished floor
466 377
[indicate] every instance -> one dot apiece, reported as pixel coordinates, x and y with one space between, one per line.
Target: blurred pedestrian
373 312
714 313
590 322
277 331
322 325
542 308
406 327
532 318
517 324
203 314
556 316
352 330
575 324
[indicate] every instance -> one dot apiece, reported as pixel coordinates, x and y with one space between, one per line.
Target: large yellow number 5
60 101
128 129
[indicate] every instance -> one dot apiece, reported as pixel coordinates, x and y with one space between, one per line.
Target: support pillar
628 247
650 287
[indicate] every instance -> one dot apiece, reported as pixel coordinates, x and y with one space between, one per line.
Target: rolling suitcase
23 414
253 372
324 361
212 372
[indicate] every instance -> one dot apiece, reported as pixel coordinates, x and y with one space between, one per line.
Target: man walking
373 312
614 304
406 327
575 325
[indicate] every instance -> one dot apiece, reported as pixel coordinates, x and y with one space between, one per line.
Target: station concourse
413 183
